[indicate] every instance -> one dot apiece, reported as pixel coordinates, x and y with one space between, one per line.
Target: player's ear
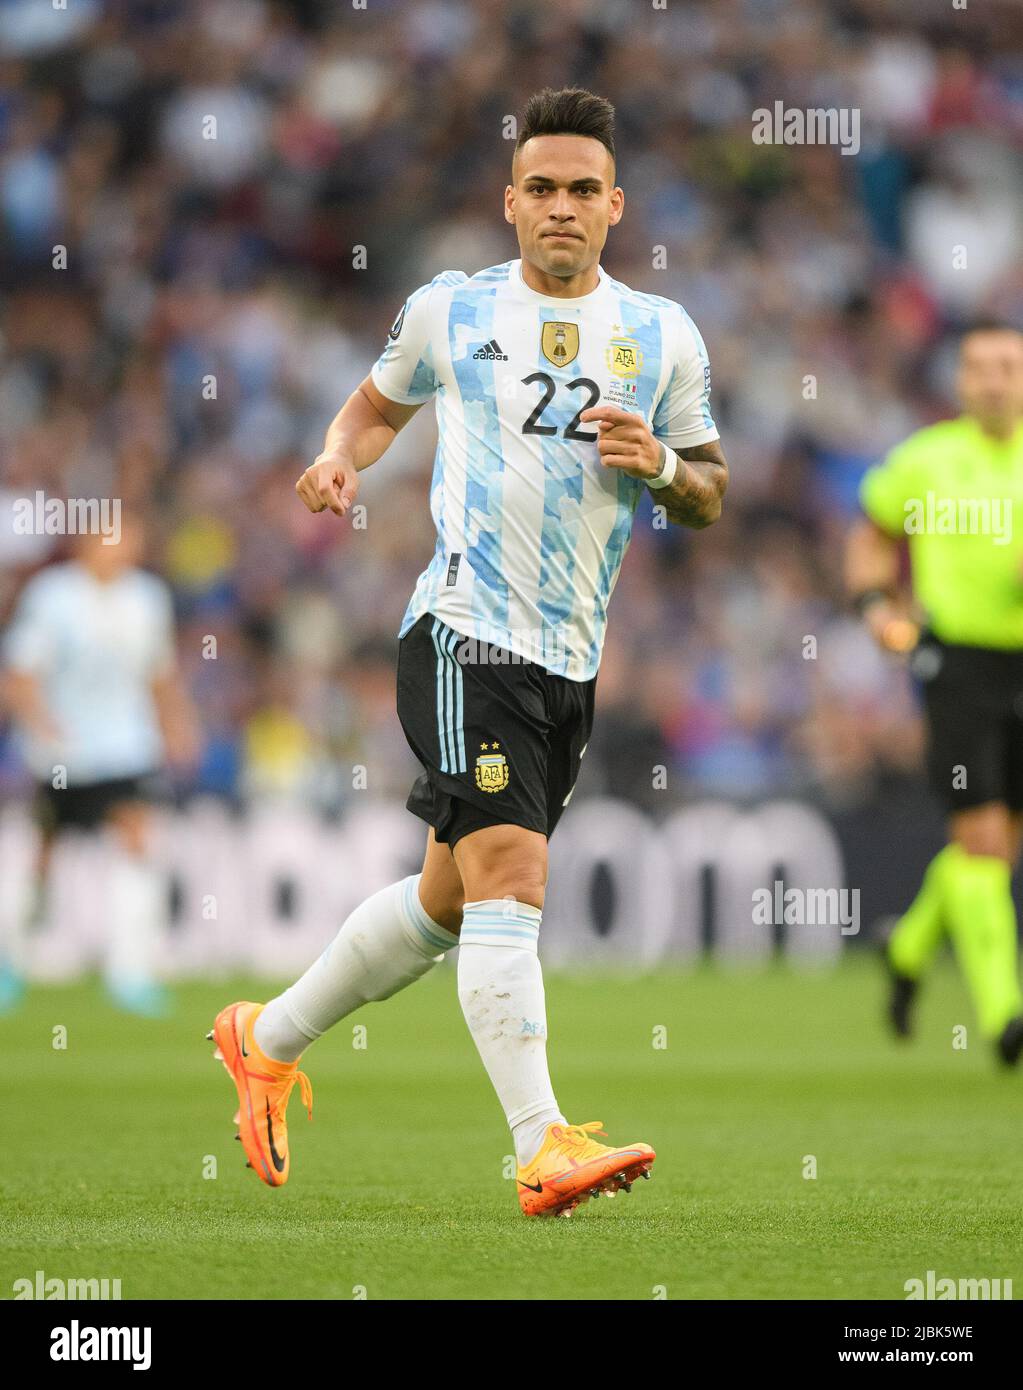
617 207
509 203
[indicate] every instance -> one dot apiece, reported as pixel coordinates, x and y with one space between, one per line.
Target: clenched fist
331 480
625 442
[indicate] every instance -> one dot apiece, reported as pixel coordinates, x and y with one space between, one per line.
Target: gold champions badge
559 342
492 771
624 356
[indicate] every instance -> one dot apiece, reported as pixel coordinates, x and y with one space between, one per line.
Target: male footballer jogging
560 396
955 491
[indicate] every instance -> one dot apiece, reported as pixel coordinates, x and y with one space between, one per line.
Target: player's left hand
625 441
183 745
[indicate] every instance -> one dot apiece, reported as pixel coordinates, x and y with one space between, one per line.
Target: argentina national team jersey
95 649
531 526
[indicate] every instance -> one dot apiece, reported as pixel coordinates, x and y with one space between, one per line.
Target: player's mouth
563 236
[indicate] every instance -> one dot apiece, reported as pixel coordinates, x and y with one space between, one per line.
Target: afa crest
624 356
559 342
492 771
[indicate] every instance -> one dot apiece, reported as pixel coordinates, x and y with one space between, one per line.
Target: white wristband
667 474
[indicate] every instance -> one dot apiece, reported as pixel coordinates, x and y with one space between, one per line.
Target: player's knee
524 889
523 879
128 823
520 878
446 911
1015 838
983 842
504 861
986 830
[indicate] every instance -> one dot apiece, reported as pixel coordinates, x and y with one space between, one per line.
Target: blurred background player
955 491
90 679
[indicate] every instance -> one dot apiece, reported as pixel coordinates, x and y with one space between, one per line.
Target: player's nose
562 209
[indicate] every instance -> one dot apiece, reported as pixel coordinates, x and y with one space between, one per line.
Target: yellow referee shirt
956 494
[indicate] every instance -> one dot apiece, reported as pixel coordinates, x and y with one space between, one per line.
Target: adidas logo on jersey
490 352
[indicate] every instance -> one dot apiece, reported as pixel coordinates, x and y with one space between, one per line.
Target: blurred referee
954 491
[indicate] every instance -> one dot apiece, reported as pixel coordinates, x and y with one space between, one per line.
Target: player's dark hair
570 111
988 324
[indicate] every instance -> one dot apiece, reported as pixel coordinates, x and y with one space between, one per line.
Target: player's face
108 561
562 202
991 376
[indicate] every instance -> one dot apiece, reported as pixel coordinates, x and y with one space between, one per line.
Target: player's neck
997 429
100 574
557 287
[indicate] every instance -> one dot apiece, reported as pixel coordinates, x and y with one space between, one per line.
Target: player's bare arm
360 433
872 581
695 495
176 714
22 695
694 499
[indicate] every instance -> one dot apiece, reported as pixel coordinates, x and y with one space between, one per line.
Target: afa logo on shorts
492 771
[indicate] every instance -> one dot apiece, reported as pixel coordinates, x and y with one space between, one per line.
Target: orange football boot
570 1168
264 1088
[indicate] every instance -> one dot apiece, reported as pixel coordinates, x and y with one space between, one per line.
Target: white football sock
389 941
26 916
137 918
500 987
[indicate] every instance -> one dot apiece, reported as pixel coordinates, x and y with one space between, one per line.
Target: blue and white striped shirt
531 527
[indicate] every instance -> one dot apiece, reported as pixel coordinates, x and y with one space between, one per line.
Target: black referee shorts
501 739
973 699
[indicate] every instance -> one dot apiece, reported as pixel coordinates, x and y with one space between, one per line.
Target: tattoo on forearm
694 498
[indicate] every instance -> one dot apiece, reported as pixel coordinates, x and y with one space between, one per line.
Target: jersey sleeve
404 371
683 417
887 488
29 642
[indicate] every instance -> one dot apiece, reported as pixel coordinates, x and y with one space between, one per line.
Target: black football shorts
88 804
973 698
501 738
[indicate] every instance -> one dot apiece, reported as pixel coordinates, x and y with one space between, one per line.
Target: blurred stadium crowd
825 286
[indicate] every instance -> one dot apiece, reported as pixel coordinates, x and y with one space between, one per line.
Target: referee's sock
982 924
388 942
918 933
500 988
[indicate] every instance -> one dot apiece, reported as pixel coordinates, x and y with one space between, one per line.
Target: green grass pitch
398 1186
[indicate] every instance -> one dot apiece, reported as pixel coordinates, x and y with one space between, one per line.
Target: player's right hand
331 480
891 627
